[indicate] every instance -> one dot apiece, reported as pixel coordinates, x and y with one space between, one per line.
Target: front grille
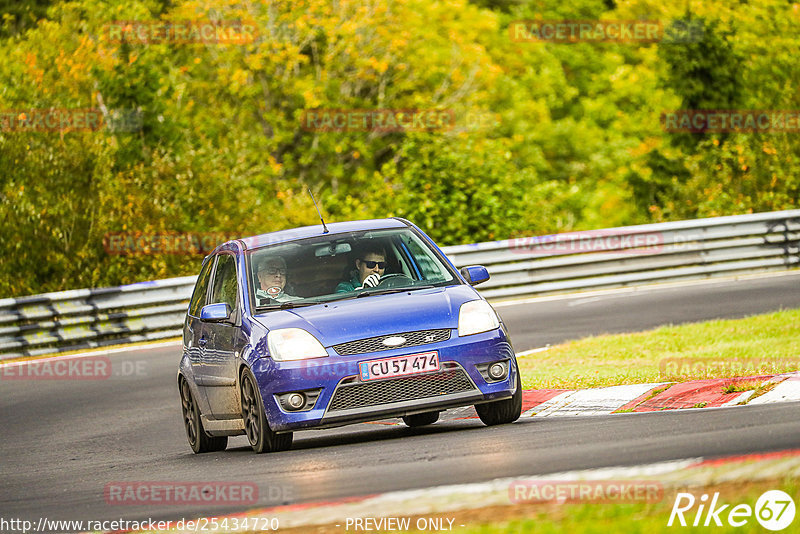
364 394
375 344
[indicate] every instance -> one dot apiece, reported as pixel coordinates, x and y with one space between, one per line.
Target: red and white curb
659 396
435 501
643 398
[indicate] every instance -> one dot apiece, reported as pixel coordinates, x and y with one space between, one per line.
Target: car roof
283 236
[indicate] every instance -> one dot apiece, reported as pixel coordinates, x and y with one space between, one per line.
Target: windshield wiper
286 305
388 290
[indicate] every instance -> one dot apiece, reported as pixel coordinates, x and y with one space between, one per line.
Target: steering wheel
394 280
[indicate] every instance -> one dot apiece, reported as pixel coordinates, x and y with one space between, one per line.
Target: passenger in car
271 275
370 265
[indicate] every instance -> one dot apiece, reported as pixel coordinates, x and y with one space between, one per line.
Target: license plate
399 365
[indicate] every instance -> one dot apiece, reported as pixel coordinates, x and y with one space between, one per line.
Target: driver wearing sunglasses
369 269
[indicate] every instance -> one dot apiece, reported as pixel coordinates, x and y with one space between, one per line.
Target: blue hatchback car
319 327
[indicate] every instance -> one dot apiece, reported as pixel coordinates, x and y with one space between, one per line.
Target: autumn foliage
202 134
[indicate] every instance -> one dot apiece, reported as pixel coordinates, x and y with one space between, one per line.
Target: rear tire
199 441
504 411
421 419
259 434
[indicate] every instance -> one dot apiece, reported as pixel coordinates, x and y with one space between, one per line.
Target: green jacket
352 285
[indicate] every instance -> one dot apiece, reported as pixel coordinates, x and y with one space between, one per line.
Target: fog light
497 371
296 401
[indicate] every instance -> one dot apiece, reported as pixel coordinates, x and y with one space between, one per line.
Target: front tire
421 419
199 441
259 434
504 411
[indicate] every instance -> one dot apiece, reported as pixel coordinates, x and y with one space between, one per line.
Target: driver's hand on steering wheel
371 281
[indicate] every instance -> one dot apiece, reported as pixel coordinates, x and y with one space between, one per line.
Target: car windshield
340 266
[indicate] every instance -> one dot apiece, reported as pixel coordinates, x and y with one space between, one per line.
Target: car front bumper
342 398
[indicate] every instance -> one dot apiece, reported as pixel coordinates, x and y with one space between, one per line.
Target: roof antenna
324 228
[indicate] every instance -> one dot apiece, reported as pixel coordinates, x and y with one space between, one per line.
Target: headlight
288 344
476 316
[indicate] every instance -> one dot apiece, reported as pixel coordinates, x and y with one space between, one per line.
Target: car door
223 341
193 341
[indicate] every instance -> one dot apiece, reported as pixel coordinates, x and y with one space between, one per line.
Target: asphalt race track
63 441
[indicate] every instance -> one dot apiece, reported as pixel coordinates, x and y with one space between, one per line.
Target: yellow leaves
769 149
645 147
379 65
240 77
311 99
254 62
275 166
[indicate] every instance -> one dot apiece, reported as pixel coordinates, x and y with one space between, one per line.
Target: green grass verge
761 344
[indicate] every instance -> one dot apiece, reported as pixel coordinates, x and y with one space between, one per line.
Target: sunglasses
372 264
273 271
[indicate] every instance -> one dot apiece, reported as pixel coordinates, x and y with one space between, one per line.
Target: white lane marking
626 291
95 352
596 401
739 398
786 391
533 351
587 300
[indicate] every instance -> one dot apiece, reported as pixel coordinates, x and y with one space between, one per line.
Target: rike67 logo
774 510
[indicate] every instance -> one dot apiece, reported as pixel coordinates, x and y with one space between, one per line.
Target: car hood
358 318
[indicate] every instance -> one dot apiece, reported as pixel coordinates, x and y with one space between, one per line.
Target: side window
200 289
429 269
225 287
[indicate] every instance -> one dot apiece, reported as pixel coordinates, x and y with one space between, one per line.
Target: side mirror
475 274
215 313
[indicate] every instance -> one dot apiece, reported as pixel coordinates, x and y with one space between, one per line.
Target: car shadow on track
363 433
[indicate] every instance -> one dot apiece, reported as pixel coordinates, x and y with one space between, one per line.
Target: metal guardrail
525 266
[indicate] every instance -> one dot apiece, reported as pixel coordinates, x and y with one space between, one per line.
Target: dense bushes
546 137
